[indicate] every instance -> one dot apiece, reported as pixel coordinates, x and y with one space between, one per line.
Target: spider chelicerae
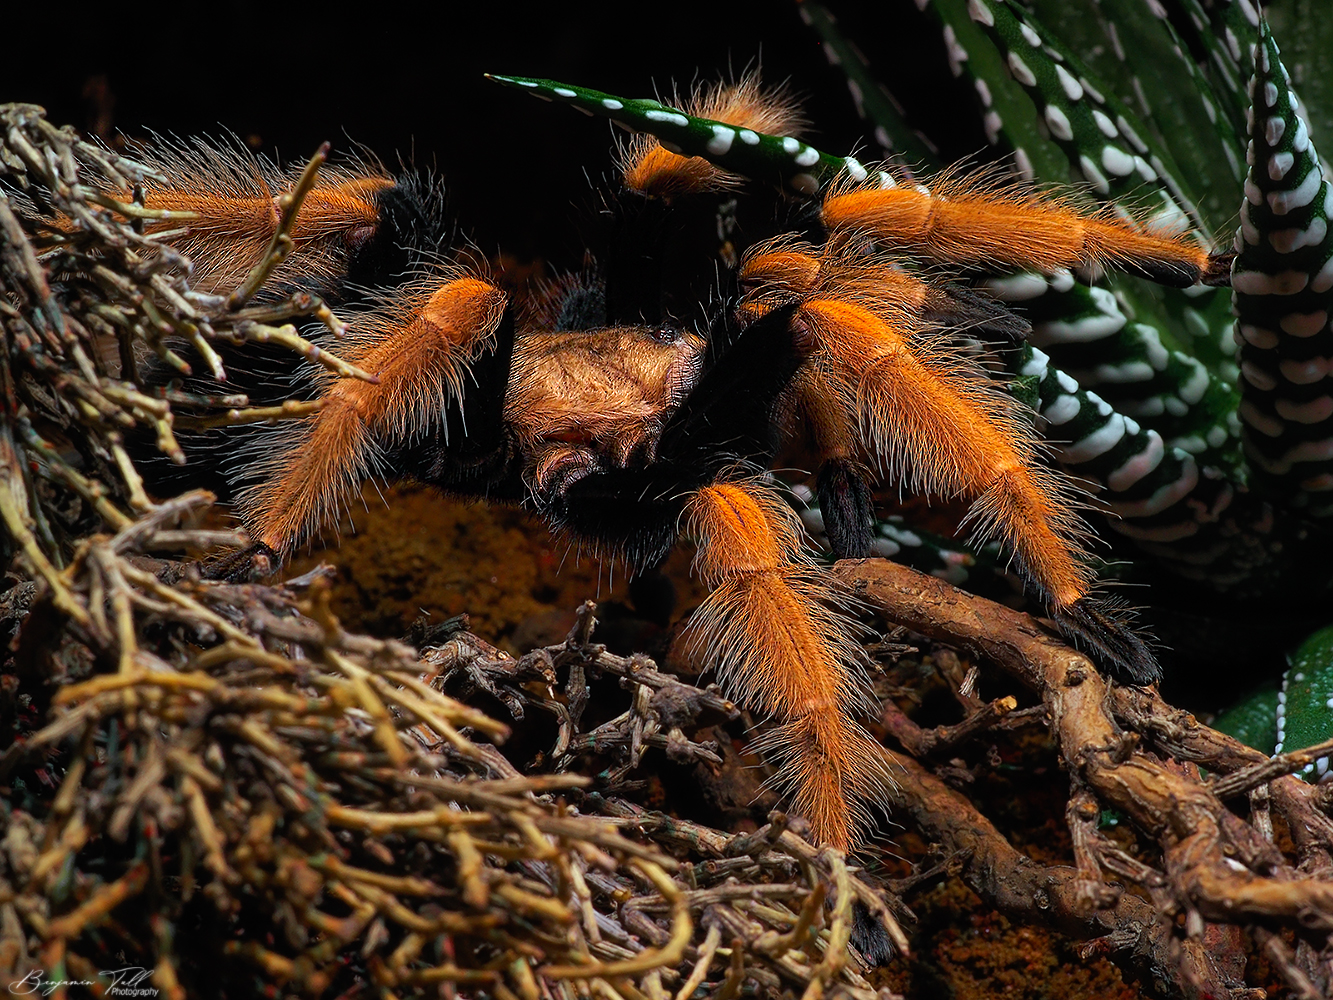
646 397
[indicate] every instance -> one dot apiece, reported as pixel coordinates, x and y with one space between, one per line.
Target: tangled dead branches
200 771
1126 749
260 787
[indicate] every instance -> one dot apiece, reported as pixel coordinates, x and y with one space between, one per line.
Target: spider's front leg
881 383
441 350
772 629
439 340
932 417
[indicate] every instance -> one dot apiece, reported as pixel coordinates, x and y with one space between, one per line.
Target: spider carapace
610 407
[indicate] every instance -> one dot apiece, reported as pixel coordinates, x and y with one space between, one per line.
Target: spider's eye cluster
359 237
664 334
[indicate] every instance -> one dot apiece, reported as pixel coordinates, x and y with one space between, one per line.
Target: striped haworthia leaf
782 159
874 103
1143 65
1136 366
1306 30
1107 143
1295 715
1283 293
1008 114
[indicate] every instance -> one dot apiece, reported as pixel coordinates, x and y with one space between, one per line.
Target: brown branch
1199 838
1242 781
941 739
1015 884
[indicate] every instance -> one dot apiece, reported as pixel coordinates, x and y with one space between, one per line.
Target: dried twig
1200 841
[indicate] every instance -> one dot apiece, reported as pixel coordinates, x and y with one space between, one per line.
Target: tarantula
612 410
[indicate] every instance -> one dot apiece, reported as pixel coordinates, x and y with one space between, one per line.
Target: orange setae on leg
954 434
771 629
233 196
1016 230
419 350
935 420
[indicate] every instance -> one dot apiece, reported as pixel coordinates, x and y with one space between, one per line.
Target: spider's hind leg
352 228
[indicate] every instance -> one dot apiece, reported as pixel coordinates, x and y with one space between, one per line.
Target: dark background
407 79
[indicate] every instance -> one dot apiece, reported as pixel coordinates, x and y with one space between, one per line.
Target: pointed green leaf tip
1305 710
781 159
1282 286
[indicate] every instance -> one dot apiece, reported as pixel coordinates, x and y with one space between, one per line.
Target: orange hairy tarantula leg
427 349
351 226
1018 230
921 409
940 423
771 629
786 271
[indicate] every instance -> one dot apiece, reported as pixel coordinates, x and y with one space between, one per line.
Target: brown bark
1215 867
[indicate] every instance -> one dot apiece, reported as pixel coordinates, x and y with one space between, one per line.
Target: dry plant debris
300 798
1128 750
219 784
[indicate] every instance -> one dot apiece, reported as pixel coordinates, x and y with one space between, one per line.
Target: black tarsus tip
848 509
869 936
1168 273
966 310
1218 272
1098 627
245 565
